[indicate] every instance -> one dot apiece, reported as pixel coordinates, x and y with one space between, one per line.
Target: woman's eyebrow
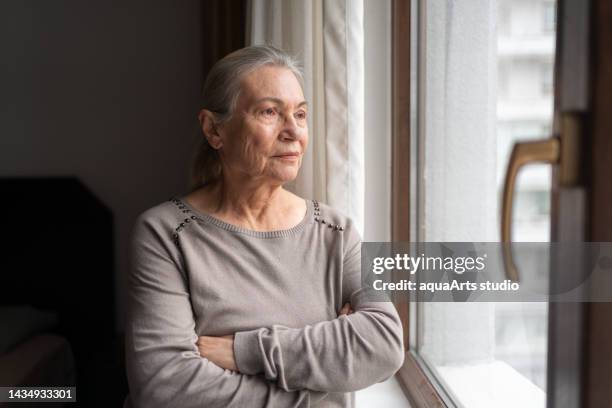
277 101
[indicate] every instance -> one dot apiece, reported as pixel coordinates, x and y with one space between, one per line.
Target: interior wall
104 90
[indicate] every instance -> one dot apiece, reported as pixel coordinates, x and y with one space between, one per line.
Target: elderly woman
242 294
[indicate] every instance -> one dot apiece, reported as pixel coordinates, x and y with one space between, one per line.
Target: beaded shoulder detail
319 219
188 218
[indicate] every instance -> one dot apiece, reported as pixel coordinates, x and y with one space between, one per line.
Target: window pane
487 83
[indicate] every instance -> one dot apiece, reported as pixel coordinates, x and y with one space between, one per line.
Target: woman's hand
218 350
346 309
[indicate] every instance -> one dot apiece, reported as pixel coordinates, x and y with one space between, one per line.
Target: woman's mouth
291 156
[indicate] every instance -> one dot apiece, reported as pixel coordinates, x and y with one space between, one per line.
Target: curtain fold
328 37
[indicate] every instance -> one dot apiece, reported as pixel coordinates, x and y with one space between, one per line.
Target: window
547 79
480 354
550 17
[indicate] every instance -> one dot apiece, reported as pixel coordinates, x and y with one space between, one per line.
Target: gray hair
220 94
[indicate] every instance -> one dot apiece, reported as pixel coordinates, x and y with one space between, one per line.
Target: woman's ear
210 129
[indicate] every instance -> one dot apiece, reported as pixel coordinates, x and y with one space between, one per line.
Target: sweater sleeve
164 366
345 354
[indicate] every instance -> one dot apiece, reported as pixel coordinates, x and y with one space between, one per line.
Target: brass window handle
541 151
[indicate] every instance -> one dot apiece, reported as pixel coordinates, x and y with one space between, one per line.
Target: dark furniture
58 255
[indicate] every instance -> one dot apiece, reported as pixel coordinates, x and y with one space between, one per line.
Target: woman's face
267 135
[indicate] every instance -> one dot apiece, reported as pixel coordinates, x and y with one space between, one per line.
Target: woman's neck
261 207
245 199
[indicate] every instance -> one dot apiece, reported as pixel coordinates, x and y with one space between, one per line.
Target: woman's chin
285 176
285 173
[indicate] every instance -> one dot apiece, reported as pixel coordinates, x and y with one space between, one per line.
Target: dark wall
104 90
224 28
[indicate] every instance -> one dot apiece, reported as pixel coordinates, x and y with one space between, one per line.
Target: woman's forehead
276 84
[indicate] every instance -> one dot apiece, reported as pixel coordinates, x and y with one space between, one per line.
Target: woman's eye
269 112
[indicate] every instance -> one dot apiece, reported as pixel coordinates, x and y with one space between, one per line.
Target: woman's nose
289 134
291 130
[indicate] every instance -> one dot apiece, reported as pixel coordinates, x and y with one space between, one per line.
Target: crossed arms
276 366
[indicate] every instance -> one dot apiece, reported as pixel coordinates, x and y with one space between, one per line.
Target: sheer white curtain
328 37
345 49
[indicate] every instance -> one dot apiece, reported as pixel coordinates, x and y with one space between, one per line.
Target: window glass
486 83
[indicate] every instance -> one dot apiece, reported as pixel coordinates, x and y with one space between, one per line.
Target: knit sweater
278 293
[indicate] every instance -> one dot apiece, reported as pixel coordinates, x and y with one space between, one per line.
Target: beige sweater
278 292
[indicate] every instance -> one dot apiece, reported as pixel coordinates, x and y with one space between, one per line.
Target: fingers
200 344
218 350
204 339
346 309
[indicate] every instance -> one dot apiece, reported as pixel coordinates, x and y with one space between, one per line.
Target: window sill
491 384
386 394
488 384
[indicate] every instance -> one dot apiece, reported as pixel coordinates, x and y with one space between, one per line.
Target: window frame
416 384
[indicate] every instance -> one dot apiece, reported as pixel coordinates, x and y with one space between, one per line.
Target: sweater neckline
260 234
